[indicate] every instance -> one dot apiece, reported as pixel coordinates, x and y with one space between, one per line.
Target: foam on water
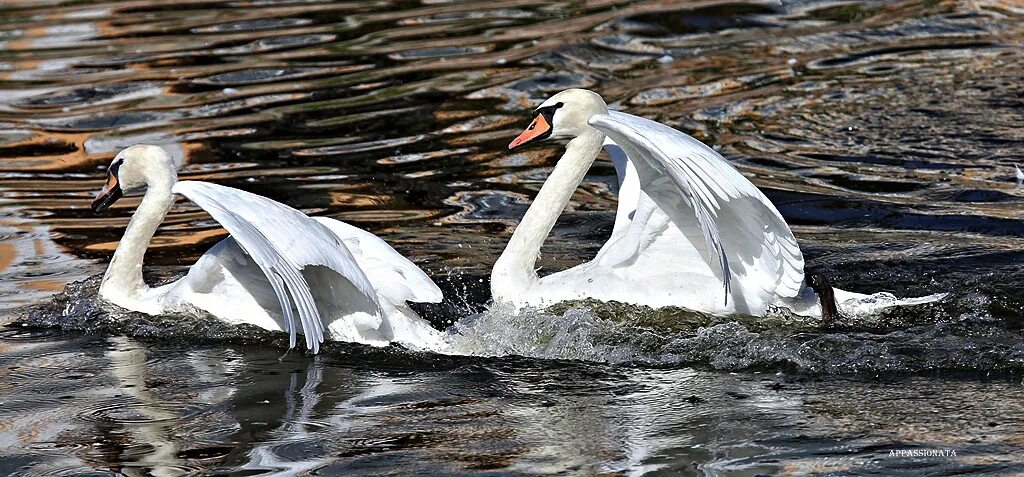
954 334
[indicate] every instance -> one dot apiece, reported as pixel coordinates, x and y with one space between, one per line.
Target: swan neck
124 274
515 271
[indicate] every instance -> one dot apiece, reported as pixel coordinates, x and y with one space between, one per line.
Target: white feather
392 275
740 233
282 241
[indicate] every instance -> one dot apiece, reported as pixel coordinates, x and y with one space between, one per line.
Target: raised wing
282 241
629 185
679 174
394 276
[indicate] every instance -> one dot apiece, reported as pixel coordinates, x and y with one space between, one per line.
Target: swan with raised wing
339 281
690 230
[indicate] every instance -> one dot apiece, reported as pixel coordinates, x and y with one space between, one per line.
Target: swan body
690 230
279 269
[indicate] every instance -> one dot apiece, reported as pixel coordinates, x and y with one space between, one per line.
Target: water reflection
32 266
252 412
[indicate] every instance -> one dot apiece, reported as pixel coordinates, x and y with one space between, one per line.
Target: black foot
823 287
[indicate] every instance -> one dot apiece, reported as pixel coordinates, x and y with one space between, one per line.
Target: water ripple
885 132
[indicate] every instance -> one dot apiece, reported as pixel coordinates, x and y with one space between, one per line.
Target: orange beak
538 129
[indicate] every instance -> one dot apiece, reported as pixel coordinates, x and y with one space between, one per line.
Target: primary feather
744 236
282 241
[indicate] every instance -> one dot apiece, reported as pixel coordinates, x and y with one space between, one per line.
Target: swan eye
116 166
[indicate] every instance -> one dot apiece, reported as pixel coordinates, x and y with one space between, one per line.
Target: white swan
342 282
690 230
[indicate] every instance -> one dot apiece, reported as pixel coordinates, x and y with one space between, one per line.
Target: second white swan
690 230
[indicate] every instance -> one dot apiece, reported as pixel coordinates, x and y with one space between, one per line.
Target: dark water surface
885 132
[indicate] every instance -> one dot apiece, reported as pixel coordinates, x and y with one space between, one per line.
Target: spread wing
282 241
629 185
687 182
395 277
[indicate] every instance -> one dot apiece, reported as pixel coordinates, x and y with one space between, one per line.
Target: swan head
134 168
562 116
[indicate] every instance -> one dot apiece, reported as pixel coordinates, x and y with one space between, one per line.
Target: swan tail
853 304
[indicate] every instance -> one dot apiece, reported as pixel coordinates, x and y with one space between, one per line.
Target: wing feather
282 241
734 217
394 276
689 185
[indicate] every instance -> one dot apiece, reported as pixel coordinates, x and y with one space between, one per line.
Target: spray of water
956 334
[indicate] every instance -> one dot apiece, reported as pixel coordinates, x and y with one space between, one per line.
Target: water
885 132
